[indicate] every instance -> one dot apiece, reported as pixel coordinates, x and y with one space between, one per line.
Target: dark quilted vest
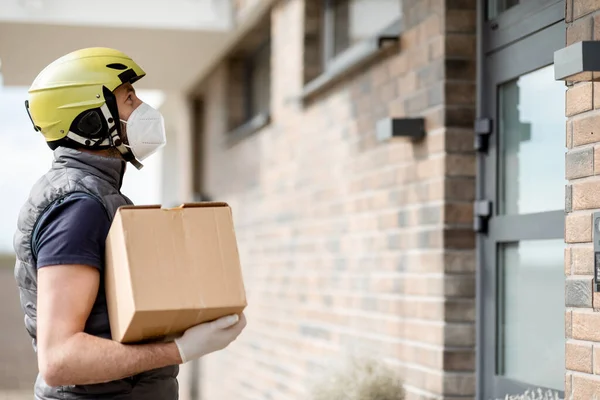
78 172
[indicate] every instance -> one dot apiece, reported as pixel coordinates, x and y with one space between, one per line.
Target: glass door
522 178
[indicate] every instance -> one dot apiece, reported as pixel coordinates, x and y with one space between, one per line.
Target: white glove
209 337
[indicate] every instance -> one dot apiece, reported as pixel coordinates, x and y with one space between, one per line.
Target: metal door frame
520 40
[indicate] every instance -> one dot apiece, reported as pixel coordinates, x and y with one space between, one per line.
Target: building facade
410 179
402 187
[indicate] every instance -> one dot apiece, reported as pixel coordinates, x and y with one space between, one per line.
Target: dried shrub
361 379
538 394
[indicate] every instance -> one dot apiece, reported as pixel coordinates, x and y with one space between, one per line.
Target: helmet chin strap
126 152
112 140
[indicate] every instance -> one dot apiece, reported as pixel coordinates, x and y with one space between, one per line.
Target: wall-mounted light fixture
388 128
578 62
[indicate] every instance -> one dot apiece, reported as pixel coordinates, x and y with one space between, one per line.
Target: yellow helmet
72 97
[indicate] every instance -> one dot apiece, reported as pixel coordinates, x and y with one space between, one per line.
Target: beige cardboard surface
169 269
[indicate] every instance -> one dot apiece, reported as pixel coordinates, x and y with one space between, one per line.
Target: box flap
203 204
143 207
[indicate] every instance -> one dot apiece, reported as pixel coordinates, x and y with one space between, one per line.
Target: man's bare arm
66 355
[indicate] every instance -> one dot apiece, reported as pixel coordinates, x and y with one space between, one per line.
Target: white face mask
145 131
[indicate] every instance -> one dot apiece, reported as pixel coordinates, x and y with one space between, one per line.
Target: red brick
579 98
568 11
398 66
459 334
578 228
568 198
459 360
458 213
459 45
461 21
430 168
458 384
586 195
432 26
460 69
586 325
459 140
596 94
584 7
460 93
380 74
434 118
580 163
436 48
409 38
407 83
461 286
578 356
569 134
582 260
596 357
585 387
460 310
459 239
460 116
460 189
581 29
586 129
396 108
568 324
568 261
596 301
596 26
418 57
460 165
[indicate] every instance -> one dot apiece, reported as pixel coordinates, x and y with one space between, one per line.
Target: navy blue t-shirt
72 231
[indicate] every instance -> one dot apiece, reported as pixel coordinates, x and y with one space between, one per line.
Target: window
530 272
249 82
348 22
342 34
531 340
259 81
496 7
531 181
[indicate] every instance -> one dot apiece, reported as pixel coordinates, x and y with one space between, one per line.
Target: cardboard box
170 269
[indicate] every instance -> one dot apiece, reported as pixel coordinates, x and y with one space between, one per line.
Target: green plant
538 394
362 379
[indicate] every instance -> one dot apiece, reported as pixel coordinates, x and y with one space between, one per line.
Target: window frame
251 121
518 22
333 66
529 33
251 61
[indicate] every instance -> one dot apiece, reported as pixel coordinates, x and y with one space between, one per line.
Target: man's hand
210 337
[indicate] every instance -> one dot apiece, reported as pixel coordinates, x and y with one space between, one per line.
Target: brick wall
583 197
349 244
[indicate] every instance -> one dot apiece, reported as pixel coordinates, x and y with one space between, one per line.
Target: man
86 108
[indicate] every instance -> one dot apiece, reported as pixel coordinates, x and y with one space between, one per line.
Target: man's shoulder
79 206
71 231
